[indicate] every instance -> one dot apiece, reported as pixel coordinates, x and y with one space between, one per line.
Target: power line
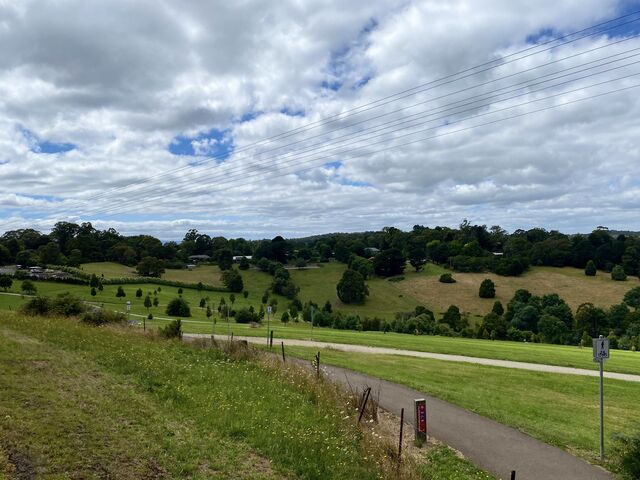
377 103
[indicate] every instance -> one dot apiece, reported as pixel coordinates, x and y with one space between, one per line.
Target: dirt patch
21 466
574 288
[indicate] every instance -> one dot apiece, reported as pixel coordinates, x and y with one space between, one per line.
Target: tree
120 292
150 267
5 255
285 317
244 264
93 291
147 303
389 262
361 265
93 281
493 326
245 294
452 317
552 329
618 274
28 287
178 307
75 258
632 298
592 320
156 302
203 302
351 287
590 270
417 254
139 293
209 313
232 280
225 259
497 308
487 289
327 307
5 282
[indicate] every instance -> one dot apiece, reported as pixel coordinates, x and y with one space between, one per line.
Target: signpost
269 310
128 311
420 407
601 355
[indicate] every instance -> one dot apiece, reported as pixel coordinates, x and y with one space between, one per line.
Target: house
237 258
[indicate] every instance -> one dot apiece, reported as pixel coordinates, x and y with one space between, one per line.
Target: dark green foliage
417 253
511 266
552 329
225 259
245 315
628 449
139 293
94 281
28 287
156 302
93 292
389 262
178 307
245 294
5 282
632 298
244 264
493 326
101 316
150 267
327 307
285 317
590 270
232 280
446 278
454 319
147 302
282 283
592 320
487 289
618 274
351 287
497 308
120 293
65 304
172 329
203 302
361 265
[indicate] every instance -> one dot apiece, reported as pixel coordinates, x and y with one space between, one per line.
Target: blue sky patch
214 143
38 145
290 112
335 165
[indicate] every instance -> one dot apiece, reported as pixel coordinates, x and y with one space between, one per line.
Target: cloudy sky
253 118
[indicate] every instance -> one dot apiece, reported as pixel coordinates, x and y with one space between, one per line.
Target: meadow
88 402
570 356
561 410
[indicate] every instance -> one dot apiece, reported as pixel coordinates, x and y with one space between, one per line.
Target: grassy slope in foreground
83 402
561 410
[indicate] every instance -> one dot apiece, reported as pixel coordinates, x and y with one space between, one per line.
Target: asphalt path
536 367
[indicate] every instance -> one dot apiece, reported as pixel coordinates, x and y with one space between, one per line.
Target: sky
257 118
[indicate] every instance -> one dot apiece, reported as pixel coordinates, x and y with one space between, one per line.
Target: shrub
590 270
172 329
5 282
351 287
244 264
497 308
244 315
487 289
28 287
399 278
628 447
37 306
447 278
101 316
232 280
618 274
178 307
64 304
120 292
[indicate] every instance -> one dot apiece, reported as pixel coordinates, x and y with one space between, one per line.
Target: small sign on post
601 355
128 305
420 406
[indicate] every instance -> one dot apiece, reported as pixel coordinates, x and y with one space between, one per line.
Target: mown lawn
561 410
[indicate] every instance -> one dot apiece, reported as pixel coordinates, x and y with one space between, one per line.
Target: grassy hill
85 402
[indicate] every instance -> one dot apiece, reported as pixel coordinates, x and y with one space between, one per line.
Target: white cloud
121 81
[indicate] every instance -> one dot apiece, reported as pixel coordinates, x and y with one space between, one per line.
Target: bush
351 287
618 274
28 287
590 270
487 289
244 315
244 264
172 329
447 278
178 307
628 447
37 306
65 304
101 316
232 280
399 278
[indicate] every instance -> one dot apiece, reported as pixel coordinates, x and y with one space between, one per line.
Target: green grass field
561 410
621 361
86 402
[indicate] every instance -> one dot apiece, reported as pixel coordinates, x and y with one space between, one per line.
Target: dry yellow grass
570 283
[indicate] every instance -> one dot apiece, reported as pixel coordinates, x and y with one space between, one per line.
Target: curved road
490 445
537 367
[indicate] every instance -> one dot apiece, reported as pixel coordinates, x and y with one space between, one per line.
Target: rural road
490 445
536 367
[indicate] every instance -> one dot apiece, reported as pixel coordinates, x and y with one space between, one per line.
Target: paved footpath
536 367
491 446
